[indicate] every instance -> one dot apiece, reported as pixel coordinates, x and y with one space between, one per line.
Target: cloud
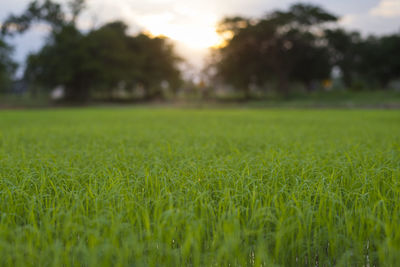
368 24
386 8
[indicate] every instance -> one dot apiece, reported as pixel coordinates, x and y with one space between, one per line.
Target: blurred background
184 52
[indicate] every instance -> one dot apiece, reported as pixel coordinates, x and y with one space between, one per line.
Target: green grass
134 187
332 99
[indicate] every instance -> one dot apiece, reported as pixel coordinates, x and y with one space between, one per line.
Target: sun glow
196 34
194 37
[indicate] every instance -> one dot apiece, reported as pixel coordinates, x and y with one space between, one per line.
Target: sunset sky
191 23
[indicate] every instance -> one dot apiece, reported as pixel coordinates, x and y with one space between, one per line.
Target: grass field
101 187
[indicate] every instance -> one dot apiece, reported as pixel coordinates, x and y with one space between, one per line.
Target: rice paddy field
174 187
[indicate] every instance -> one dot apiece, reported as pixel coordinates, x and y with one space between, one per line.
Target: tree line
301 45
93 63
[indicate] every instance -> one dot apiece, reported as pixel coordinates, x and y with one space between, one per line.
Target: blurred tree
284 46
59 61
7 66
101 61
126 61
310 60
37 12
62 61
158 65
380 59
345 53
374 60
229 27
76 7
238 62
302 17
109 58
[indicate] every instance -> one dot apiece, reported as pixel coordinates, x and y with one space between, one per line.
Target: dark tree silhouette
7 66
97 62
286 46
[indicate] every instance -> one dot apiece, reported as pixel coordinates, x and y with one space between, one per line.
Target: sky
191 23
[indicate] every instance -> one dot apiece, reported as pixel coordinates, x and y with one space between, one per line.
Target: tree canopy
7 66
97 62
300 45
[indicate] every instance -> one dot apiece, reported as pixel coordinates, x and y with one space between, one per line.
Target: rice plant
169 187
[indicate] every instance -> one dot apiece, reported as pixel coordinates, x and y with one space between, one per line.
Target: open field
100 187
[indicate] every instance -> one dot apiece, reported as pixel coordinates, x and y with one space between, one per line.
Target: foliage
375 60
345 52
285 49
7 66
37 11
301 46
101 187
381 59
283 45
62 62
100 61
